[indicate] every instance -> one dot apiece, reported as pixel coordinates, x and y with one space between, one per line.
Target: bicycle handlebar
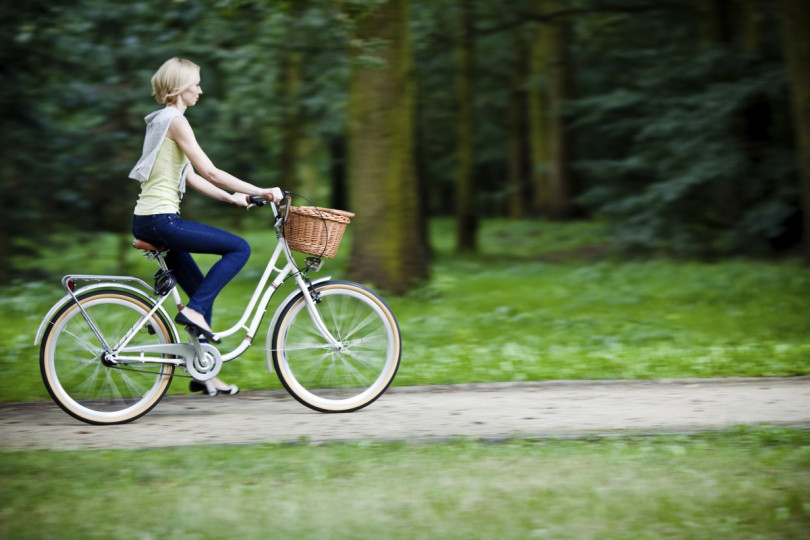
256 200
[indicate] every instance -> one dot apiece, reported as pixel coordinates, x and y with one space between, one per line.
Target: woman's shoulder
179 121
179 128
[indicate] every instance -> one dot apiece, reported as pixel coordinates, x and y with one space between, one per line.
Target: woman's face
191 94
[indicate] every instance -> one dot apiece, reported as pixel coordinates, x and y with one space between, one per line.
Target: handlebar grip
261 201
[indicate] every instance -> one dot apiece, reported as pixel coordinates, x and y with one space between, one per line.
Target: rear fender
140 293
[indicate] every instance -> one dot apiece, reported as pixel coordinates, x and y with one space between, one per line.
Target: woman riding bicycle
170 157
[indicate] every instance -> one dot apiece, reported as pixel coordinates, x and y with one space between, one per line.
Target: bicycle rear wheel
341 378
75 373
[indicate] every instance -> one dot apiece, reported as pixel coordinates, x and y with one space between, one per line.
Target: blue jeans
185 237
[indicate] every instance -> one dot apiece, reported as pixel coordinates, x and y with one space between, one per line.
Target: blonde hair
174 77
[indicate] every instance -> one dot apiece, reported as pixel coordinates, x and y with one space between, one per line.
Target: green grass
610 320
540 301
737 484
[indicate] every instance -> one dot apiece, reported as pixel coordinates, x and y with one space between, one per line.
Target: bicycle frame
272 278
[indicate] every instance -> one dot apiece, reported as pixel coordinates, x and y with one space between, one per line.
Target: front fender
100 286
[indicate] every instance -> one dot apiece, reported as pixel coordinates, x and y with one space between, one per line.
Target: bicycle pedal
195 333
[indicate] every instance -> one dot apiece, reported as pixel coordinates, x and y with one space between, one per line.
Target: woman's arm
180 132
210 190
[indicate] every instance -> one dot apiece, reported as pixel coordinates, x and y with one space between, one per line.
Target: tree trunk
516 201
8 189
714 22
560 91
291 131
466 215
751 25
387 251
538 108
307 174
795 15
337 172
551 86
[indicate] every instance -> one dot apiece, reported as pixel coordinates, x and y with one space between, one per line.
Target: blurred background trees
684 123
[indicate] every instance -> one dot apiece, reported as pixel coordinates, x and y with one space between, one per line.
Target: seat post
160 257
151 252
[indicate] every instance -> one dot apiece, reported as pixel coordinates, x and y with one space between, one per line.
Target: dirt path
543 409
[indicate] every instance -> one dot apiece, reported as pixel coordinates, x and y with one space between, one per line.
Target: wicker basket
316 231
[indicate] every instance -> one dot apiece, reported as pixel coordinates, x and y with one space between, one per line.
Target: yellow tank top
160 193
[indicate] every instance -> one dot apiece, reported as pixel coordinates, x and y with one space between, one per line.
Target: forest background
520 132
543 190
683 124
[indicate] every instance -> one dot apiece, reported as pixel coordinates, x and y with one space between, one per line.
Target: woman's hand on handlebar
273 195
240 199
270 195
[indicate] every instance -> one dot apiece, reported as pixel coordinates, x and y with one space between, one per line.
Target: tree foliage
690 155
676 118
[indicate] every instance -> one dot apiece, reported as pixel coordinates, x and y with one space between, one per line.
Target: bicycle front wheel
74 370
341 377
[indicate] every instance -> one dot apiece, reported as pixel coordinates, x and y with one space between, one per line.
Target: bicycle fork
312 298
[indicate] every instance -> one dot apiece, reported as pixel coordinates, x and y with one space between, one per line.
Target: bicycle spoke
112 387
351 372
134 387
87 386
85 344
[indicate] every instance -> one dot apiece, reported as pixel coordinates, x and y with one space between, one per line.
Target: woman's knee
241 250
244 247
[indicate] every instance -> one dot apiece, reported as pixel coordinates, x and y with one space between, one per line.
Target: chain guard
207 367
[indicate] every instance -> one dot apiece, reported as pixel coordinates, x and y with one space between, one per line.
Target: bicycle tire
78 379
327 379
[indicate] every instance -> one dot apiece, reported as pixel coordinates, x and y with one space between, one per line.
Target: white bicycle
109 348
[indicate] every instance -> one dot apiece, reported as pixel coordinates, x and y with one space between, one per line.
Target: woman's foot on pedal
196 322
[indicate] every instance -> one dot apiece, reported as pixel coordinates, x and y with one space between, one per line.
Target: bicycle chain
134 370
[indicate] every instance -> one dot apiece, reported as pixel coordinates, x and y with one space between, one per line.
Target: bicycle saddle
137 243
